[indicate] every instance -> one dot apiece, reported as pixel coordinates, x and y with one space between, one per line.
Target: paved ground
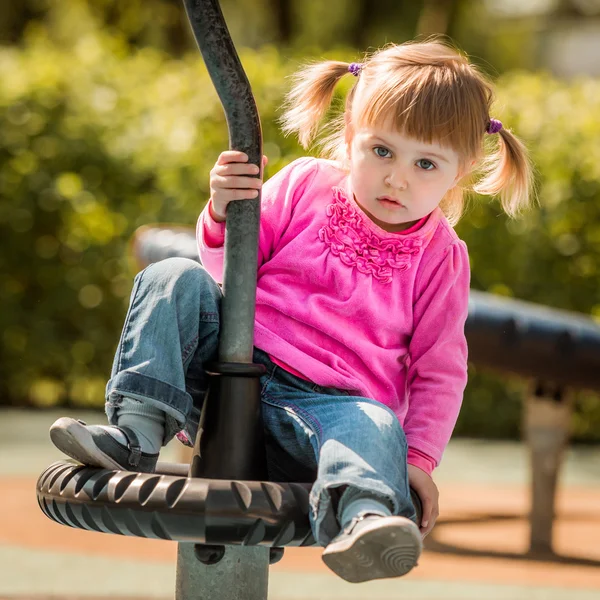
477 551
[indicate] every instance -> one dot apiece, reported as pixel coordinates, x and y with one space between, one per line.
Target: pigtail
310 97
508 172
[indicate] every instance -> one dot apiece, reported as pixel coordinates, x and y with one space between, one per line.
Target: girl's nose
396 181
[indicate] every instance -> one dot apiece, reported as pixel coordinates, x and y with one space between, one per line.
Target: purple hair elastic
494 126
354 68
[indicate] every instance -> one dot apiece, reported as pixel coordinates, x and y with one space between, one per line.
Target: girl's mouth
390 202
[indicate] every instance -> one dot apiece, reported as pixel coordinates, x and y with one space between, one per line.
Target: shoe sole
73 438
390 547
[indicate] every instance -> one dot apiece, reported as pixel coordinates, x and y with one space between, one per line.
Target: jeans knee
179 276
170 269
385 422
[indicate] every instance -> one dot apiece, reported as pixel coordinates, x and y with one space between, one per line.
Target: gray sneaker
374 547
93 445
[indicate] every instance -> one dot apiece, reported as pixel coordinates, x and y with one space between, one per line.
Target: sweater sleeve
421 460
280 194
437 371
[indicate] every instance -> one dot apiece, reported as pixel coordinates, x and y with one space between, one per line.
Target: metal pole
241 244
241 575
548 411
243 571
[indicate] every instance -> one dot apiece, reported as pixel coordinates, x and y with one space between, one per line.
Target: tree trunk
282 11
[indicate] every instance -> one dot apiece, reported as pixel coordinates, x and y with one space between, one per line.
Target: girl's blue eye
425 164
382 152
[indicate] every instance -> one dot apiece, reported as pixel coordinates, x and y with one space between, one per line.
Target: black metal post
241 244
231 445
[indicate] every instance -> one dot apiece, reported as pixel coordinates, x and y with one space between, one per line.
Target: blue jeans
313 433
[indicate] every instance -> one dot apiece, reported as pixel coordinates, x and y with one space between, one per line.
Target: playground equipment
222 497
226 517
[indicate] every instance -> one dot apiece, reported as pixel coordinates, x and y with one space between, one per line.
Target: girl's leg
158 381
347 445
363 452
353 449
170 332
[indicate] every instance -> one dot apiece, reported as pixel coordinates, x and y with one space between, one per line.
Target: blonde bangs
432 104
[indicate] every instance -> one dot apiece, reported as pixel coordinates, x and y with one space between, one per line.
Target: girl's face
397 180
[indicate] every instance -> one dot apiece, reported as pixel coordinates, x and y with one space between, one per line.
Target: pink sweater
349 305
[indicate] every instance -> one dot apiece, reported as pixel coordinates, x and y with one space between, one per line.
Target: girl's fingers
427 523
427 509
223 197
229 195
233 178
236 183
235 169
232 156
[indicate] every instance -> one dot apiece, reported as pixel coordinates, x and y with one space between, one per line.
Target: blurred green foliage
496 44
97 139
94 143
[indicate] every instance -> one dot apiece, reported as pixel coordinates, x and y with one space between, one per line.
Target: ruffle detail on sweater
351 239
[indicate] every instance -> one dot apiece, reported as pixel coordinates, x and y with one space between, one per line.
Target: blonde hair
427 91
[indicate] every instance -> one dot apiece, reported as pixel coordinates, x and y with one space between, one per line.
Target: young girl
362 297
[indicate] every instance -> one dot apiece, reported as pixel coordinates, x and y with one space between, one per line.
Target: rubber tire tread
176 508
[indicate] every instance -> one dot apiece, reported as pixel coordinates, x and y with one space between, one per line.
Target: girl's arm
280 194
437 373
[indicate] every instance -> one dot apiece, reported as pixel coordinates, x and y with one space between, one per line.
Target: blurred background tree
507 34
108 121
